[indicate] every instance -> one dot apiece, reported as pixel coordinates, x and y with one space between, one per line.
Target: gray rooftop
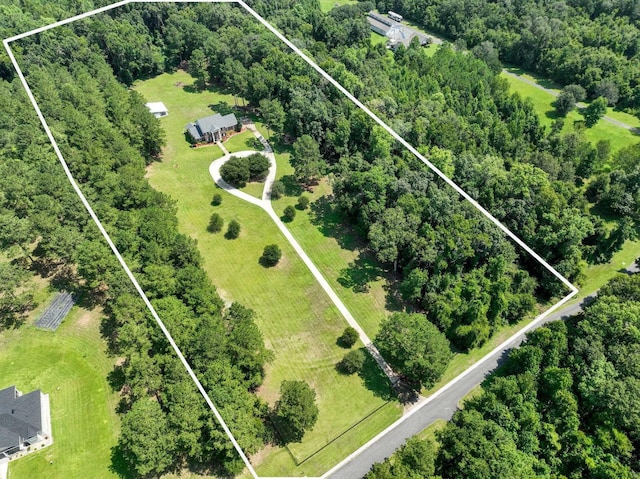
394 31
20 417
210 124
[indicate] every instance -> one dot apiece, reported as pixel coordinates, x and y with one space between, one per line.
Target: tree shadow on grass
222 107
375 380
119 465
330 222
360 273
291 186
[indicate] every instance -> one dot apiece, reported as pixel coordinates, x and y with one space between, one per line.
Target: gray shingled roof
20 417
211 124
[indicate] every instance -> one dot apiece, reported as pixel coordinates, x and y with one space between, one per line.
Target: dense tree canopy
594 43
564 405
414 347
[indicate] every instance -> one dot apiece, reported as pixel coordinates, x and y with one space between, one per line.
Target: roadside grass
543 104
71 365
297 319
430 432
596 276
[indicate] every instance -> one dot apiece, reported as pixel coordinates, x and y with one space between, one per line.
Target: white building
157 109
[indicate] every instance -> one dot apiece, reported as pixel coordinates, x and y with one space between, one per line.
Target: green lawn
299 322
242 142
543 103
71 366
326 5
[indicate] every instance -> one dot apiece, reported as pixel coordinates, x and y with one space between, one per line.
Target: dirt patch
84 320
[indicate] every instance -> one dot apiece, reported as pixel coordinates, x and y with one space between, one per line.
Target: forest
565 404
595 44
448 263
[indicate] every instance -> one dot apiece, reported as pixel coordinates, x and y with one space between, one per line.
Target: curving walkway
265 204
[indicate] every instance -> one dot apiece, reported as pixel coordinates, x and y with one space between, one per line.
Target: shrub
217 199
233 231
352 362
277 190
258 166
215 223
271 255
289 213
349 337
236 172
303 202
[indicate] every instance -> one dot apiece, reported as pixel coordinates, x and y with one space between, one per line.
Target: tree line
590 43
565 404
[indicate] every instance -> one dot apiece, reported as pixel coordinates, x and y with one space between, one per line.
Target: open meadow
543 103
297 319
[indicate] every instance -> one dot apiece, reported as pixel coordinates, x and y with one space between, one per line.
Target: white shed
157 109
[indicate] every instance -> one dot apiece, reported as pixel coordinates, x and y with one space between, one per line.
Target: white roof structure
157 108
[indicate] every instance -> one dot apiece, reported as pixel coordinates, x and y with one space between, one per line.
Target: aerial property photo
329 239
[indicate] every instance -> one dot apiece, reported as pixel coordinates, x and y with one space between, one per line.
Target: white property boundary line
396 136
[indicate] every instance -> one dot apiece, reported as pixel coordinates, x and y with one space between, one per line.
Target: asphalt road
441 407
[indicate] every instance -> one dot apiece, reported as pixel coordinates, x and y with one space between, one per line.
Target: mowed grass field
326 5
71 365
298 321
543 103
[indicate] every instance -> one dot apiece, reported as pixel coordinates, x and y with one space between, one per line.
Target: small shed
157 109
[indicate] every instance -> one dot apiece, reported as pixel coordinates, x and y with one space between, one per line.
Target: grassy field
543 103
298 321
71 366
326 5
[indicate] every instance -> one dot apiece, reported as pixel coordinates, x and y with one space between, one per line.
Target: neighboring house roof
401 34
157 107
211 124
20 417
394 31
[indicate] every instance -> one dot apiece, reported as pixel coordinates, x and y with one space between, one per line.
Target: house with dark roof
212 128
25 423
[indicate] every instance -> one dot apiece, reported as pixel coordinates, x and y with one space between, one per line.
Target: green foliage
271 255
215 223
565 403
233 230
273 114
565 102
306 159
146 440
596 110
349 337
15 301
238 171
217 199
414 347
289 213
352 362
277 190
295 411
558 43
303 202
